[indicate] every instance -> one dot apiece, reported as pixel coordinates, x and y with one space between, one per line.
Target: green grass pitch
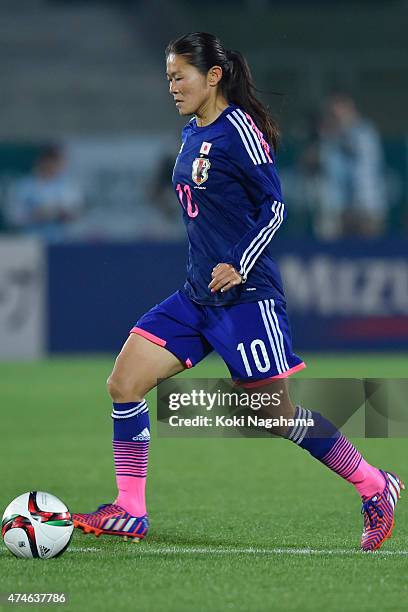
236 524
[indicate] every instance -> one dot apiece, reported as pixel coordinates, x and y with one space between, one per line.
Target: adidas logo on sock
44 550
144 435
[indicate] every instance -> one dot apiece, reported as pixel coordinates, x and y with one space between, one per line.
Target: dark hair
204 51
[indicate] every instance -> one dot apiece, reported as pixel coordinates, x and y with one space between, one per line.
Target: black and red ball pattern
45 517
24 523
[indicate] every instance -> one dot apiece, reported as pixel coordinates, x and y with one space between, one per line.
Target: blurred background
90 229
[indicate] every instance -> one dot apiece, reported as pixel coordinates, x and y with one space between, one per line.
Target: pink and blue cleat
379 513
110 519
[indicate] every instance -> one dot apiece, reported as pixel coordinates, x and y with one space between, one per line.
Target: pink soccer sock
367 479
131 468
345 460
131 435
131 496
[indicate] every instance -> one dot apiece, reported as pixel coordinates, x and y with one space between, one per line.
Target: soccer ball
37 524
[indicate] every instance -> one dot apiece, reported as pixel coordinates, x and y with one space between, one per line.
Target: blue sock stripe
125 407
294 432
141 410
319 439
128 410
299 431
131 422
303 432
116 411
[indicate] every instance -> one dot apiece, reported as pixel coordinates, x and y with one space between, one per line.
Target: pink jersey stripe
265 381
148 336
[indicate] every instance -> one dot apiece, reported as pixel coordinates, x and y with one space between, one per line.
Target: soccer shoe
110 519
379 512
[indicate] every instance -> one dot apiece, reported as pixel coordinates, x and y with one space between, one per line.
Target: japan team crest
201 166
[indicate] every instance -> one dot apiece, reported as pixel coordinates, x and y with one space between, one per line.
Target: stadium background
87 78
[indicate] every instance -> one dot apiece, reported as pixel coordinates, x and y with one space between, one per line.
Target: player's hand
224 277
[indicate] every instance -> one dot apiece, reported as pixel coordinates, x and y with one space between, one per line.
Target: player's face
187 86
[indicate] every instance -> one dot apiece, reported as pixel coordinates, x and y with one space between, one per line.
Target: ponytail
238 87
204 51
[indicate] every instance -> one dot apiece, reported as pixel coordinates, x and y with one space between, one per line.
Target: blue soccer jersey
228 186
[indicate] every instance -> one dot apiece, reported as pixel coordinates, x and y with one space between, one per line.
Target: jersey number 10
261 359
190 208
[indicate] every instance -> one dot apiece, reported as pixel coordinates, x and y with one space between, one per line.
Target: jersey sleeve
253 165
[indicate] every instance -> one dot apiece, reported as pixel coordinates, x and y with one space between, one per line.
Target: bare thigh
138 366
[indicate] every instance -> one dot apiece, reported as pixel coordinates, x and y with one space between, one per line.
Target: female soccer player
233 302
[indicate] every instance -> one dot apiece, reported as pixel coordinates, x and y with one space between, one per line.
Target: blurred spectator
45 202
343 170
306 181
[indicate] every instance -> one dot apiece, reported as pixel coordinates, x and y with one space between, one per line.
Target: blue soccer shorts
253 338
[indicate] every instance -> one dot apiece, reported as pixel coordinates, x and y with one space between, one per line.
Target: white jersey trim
254 135
244 140
261 240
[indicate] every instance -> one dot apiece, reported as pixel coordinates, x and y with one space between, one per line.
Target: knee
122 390
114 386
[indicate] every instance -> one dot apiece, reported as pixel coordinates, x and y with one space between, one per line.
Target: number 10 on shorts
259 355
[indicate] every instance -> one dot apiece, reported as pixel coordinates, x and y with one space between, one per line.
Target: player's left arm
255 169
246 252
224 277
243 256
